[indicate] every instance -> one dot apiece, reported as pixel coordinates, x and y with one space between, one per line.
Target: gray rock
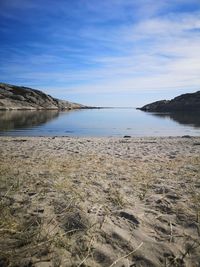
185 102
18 98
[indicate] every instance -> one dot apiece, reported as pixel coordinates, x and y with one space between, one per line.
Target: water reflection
98 122
186 118
10 120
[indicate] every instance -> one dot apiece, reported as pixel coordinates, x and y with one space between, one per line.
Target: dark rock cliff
18 98
185 102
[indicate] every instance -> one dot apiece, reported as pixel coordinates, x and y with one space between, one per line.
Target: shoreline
100 200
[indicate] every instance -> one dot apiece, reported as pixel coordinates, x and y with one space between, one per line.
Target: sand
129 202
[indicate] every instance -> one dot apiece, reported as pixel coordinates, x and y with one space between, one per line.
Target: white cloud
165 54
150 53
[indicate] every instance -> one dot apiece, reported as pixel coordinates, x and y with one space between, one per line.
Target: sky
102 52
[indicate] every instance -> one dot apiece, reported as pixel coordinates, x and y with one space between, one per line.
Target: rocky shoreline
99 201
14 97
186 102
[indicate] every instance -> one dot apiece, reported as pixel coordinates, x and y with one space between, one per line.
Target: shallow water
98 122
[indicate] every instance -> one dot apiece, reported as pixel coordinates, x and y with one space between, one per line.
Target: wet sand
100 201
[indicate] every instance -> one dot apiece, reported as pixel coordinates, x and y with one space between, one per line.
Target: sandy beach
123 202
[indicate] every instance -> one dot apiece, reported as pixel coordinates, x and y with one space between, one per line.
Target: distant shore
100 201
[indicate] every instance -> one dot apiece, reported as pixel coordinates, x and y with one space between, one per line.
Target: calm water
98 122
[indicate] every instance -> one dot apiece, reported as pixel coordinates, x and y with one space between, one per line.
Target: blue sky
108 52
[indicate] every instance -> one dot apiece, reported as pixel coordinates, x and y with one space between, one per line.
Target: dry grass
62 209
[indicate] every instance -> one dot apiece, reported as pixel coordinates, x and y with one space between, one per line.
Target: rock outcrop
185 102
21 98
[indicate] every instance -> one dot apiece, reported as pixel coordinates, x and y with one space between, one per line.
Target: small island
185 102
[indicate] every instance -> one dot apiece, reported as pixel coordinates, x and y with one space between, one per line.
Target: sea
103 122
